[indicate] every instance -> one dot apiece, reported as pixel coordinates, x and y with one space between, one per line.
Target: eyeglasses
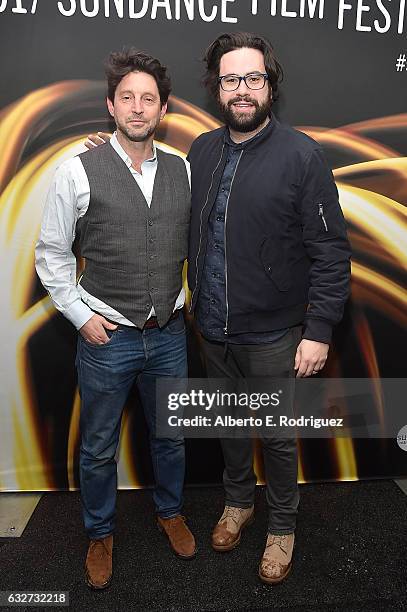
231 82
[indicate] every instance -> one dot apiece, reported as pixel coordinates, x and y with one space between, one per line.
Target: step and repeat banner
345 85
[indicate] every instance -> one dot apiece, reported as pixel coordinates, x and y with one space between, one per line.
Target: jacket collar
253 142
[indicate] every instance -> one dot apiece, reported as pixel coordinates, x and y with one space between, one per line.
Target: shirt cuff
78 313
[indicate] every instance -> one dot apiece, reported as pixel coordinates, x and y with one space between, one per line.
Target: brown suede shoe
277 558
227 532
179 536
98 567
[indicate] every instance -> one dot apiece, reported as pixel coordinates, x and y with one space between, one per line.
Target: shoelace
232 513
99 544
172 522
281 541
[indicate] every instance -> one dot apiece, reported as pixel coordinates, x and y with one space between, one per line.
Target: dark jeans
275 359
106 373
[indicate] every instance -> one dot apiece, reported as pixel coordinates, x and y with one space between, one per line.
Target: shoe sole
228 547
275 580
177 554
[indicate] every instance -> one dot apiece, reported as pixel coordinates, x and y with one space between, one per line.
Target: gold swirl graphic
50 125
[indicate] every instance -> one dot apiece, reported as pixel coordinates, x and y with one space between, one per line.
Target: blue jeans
105 374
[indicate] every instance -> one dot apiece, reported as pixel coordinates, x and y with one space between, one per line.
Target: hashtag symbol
401 62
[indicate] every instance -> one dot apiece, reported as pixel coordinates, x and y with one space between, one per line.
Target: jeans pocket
176 326
110 334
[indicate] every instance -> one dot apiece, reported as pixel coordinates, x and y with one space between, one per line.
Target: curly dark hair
121 63
230 41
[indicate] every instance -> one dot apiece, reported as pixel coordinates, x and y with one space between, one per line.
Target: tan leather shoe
227 532
179 536
98 567
277 558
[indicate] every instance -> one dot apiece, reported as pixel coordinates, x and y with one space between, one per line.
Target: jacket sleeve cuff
318 330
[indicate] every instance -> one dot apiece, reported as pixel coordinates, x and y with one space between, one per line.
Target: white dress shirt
67 201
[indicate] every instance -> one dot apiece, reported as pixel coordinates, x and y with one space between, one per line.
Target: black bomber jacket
287 256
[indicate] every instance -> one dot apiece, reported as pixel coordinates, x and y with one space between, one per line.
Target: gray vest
134 254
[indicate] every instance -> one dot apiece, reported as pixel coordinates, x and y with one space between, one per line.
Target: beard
139 134
245 122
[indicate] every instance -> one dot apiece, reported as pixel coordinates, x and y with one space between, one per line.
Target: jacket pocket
319 223
274 261
321 214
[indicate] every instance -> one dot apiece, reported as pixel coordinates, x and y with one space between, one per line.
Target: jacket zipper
226 263
321 214
200 228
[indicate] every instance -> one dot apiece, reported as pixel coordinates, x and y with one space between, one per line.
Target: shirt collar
122 153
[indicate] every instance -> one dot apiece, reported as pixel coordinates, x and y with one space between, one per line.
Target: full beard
243 122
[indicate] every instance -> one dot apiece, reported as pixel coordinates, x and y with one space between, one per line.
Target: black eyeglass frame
243 78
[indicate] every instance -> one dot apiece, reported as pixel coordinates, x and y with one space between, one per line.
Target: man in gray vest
127 205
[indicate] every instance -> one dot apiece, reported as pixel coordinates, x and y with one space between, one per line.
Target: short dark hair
230 41
121 63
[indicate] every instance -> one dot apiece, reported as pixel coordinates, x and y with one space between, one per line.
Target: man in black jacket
268 270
